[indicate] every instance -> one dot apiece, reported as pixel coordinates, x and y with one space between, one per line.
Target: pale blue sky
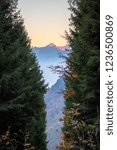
45 20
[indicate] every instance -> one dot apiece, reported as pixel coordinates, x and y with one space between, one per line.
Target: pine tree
82 79
22 87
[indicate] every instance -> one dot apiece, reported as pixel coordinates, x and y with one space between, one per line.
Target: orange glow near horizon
40 38
45 21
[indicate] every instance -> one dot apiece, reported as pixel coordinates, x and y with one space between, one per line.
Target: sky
45 20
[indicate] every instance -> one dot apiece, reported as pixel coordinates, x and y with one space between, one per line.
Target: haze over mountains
50 55
47 56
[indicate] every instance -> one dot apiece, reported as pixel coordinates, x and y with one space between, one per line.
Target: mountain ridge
54 100
60 47
49 56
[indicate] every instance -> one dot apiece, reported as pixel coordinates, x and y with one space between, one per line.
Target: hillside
54 107
47 56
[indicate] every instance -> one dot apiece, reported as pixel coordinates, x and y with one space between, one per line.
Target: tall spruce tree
22 88
82 79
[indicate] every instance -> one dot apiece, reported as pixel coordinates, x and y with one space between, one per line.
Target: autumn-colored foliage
82 78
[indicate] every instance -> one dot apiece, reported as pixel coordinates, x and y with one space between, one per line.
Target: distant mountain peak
54 47
66 47
51 45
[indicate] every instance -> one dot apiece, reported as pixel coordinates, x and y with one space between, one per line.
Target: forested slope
82 77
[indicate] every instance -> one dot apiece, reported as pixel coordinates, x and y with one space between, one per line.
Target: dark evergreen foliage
22 87
82 77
